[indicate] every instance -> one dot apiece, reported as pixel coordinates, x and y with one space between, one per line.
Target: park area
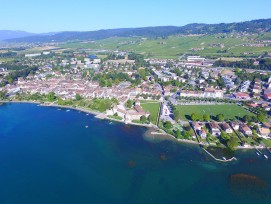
153 107
229 111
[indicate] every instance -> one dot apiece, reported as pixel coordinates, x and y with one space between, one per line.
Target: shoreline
155 128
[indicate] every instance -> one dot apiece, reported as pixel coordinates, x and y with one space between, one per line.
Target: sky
41 16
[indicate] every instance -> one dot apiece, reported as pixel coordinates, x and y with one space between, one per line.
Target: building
130 115
33 55
242 96
215 129
195 59
235 125
264 132
207 93
197 125
226 128
213 93
228 82
202 133
245 130
244 86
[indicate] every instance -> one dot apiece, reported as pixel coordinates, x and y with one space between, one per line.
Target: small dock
101 116
258 151
220 160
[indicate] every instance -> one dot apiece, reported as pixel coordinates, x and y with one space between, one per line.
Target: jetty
220 160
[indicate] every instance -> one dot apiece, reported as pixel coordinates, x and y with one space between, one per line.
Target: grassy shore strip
95 113
135 124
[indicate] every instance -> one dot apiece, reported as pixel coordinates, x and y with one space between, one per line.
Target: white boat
87 114
224 158
86 126
258 153
68 110
265 156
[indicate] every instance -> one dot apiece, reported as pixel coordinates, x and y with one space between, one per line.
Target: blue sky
85 15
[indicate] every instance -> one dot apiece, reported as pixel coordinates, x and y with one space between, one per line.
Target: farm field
229 111
175 46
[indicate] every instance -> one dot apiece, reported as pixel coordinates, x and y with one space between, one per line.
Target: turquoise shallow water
48 156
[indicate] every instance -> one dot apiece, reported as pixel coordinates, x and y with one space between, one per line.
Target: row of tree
264 64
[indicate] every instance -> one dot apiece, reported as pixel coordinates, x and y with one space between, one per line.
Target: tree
168 125
233 143
109 83
260 117
143 118
178 134
225 136
193 117
78 97
206 117
2 95
246 118
186 135
129 103
51 96
220 117
10 80
102 83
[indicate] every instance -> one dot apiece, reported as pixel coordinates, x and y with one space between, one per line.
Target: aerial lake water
51 155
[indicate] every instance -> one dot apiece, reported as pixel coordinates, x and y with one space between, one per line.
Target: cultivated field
175 46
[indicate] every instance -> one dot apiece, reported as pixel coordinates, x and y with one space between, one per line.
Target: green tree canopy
225 136
129 103
168 125
220 117
206 117
143 118
246 118
51 96
260 117
232 143
78 97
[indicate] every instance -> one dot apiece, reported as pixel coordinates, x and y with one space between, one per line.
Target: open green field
175 46
229 111
153 108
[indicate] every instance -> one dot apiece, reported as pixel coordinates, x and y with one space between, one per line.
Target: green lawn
148 101
267 142
229 111
153 108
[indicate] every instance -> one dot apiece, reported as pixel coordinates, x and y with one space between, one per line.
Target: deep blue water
48 156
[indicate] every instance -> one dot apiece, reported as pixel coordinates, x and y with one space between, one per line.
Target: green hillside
219 45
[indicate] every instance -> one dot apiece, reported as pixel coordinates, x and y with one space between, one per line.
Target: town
192 98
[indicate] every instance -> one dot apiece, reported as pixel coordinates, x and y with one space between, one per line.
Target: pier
220 160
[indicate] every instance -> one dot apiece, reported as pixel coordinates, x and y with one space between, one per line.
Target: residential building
235 125
215 129
245 129
264 132
226 128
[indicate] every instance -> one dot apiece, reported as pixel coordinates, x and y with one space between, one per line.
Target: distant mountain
254 26
9 34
